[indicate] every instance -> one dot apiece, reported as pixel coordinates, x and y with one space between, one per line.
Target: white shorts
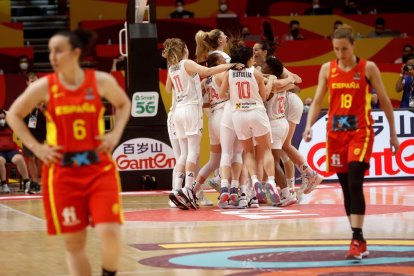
280 129
214 122
294 108
227 120
188 120
252 123
170 126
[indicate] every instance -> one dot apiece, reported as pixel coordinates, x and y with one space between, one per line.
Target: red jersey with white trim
349 98
74 117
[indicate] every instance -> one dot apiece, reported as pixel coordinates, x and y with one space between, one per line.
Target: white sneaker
254 203
313 180
171 203
188 196
5 189
203 199
243 201
287 199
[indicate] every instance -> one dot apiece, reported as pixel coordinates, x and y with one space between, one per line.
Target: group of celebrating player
249 98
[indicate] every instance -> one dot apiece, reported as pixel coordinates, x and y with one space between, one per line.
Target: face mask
295 32
2 122
306 108
24 66
223 7
180 9
316 6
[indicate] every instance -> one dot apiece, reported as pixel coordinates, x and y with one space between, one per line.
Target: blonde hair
174 50
344 31
206 42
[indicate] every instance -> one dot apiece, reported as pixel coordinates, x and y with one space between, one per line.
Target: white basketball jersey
213 90
276 106
187 88
244 90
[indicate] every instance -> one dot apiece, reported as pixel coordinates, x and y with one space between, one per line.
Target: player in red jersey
350 134
80 180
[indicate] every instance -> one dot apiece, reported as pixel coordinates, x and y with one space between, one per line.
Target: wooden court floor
310 238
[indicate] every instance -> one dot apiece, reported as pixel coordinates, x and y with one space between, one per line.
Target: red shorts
75 197
344 147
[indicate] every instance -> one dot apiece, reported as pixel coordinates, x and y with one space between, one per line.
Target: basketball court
310 238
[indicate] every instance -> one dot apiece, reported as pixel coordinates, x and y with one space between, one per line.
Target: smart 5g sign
144 104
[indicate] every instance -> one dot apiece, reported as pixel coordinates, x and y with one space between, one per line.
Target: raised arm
224 86
373 74
168 85
260 81
193 67
315 107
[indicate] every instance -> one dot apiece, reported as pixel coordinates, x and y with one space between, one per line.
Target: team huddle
249 98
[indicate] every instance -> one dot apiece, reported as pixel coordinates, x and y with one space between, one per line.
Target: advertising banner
383 163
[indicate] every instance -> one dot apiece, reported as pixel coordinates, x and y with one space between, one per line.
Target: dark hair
212 59
293 22
408 46
241 54
3 111
80 38
275 65
24 57
380 21
407 58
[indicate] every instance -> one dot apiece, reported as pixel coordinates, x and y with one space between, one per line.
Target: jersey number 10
243 88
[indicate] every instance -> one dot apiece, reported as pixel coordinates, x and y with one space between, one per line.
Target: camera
408 67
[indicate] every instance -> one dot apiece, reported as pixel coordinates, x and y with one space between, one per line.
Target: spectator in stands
180 12
244 32
306 104
24 65
9 152
405 83
337 24
294 33
381 31
317 9
223 10
36 123
407 50
351 8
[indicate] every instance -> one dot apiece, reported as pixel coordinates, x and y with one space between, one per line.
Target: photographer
405 83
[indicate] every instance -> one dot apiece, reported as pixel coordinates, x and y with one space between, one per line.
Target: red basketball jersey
349 98
74 117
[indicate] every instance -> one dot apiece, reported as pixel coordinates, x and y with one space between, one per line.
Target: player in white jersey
184 77
173 139
247 92
280 127
211 89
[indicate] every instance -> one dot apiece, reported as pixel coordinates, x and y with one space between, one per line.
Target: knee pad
237 158
182 159
225 160
192 157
